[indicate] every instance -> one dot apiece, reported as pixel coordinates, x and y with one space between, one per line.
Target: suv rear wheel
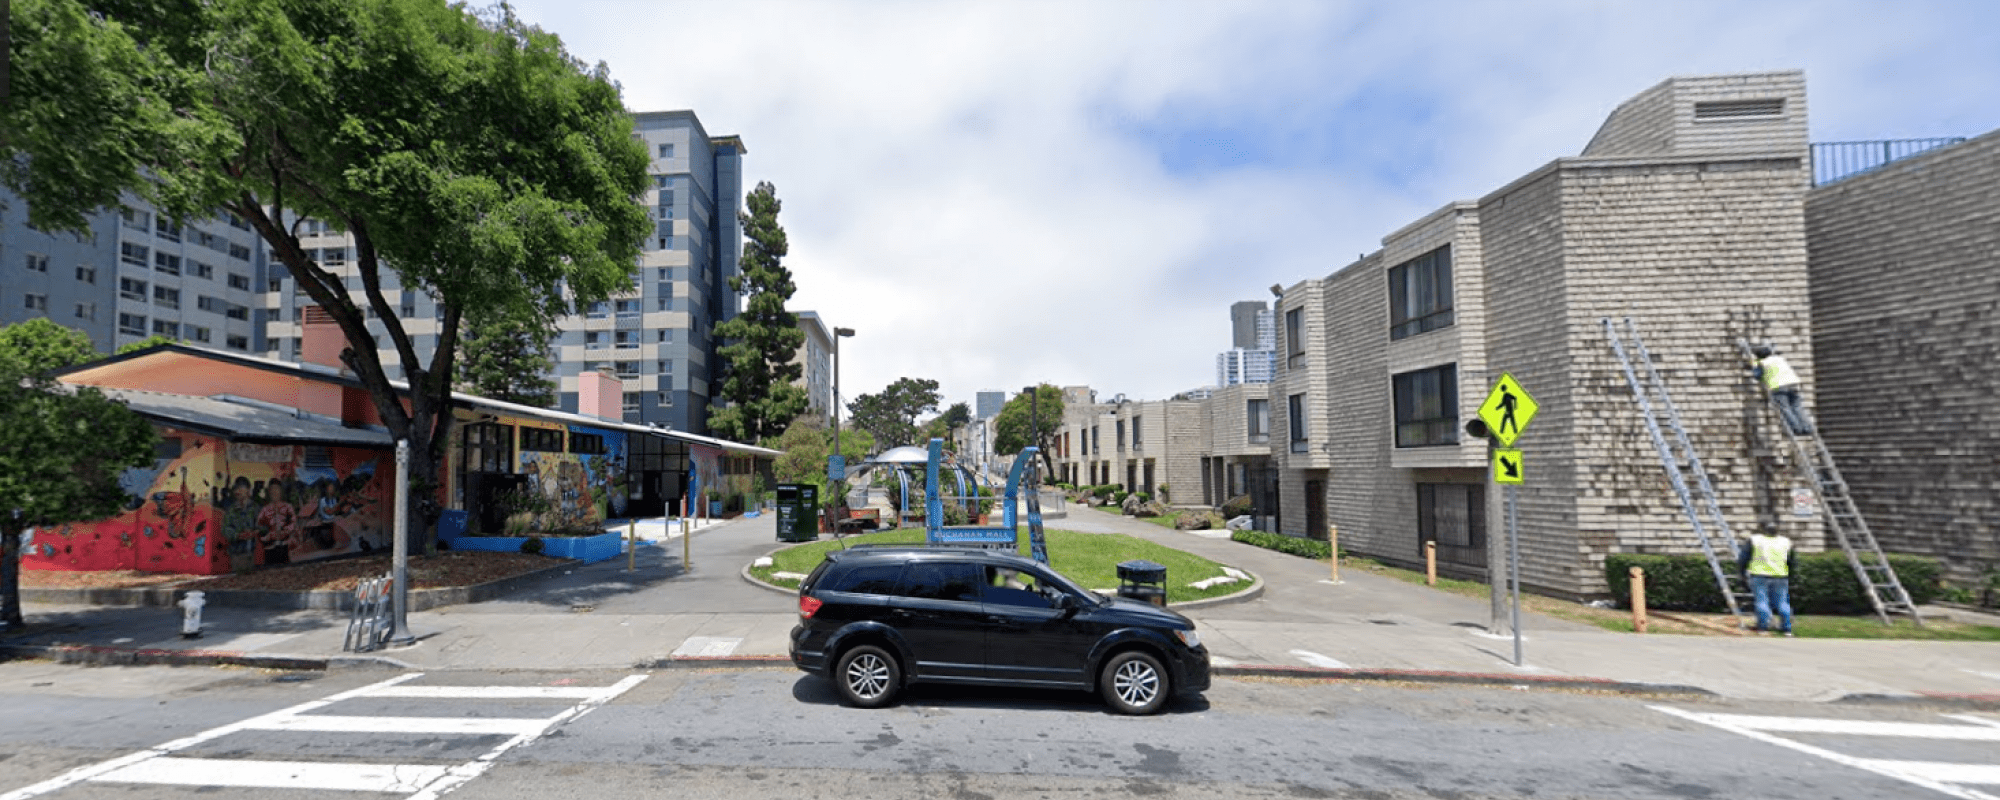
868 676
1134 683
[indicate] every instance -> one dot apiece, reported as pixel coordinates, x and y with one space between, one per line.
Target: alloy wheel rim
1136 683
868 676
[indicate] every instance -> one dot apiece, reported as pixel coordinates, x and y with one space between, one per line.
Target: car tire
868 676
1133 682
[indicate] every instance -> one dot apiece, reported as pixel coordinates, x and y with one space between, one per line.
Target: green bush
1103 490
1118 497
532 545
1308 548
1824 583
1143 497
1236 506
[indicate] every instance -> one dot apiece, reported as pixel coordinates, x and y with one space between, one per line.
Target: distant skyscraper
1254 334
988 403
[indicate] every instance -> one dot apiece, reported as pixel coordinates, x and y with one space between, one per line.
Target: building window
87 274
166 230
631 404
131 289
1427 407
198 333
593 338
1295 412
238 251
666 151
86 311
1121 434
134 254
589 444
541 440
38 262
1420 294
201 270
666 335
132 324
1138 436
237 281
625 369
1454 516
628 309
171 330
236 342
1259 412
598 310
166 297
1295 338
167 263
141 220
235 311
407 310
662 182
626 340
38 302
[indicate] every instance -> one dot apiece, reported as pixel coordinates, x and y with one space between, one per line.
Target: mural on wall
579 490
209 506
706 464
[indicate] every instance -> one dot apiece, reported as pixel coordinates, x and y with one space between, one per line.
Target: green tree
39 345
944 425
470 156
806 445
507 358
758 369
150 341
892 415
62 449
1011 427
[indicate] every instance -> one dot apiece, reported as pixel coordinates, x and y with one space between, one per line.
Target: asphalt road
777 733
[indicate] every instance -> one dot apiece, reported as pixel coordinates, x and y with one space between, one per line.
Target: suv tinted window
871 579
941 580
1010 587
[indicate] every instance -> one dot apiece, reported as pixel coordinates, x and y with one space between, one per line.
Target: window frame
1257 414
1295 422
1295 338
1427 427
1421 297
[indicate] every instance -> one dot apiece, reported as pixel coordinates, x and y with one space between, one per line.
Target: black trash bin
1144 581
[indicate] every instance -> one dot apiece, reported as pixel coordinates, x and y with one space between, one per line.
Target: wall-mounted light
1278 290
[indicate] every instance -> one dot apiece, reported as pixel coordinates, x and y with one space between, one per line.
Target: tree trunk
10 578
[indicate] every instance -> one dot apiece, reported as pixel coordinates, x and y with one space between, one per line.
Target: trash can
1143 581
798 503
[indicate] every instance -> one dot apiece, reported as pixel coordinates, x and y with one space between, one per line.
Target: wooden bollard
1333 550
632 544
1430 563
1638 600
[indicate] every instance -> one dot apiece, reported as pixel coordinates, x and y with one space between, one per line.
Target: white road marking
707 646
1318 660
1985 674
157 766
1974 720
1930 775
402 778
1855 727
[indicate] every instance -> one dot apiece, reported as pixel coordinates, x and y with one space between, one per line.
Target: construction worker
1783 383
1769 560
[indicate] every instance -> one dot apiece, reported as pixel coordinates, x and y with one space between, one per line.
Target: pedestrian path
1850 742
164 765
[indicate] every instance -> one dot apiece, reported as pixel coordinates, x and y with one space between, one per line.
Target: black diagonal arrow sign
1507 466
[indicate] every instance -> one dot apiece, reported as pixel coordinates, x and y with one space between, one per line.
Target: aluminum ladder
1735 593
1871 566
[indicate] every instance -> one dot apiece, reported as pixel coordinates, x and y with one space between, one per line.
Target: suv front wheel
868 676
1133 682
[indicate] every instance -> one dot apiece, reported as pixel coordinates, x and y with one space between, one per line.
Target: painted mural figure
279 524
239 526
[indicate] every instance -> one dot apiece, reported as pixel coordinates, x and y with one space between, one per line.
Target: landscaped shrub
1824 583
532 545
1236 506
1103 490
1309 548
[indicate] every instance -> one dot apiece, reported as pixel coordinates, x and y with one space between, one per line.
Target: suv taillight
808 605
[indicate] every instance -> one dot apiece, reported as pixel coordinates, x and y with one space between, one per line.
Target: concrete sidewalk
664 613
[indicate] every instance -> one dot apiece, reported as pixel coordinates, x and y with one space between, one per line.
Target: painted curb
317 600
1972 702
1462 678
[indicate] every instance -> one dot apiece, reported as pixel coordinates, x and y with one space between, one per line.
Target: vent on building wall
1739 110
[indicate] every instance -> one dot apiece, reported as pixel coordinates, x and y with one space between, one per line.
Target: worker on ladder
1783 382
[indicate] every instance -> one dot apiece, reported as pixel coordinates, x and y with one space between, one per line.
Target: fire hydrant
191 614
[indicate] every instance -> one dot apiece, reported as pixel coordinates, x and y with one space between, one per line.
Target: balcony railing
1835 161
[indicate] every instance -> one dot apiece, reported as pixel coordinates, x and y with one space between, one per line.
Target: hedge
1309 548
1824 583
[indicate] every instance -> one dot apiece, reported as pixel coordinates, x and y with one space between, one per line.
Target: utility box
798 512
1143 581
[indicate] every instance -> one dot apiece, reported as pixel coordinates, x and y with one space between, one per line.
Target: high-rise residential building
135 275
1253 355
1250 325
815 359
987 403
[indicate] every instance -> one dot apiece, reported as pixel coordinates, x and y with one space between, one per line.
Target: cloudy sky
995 194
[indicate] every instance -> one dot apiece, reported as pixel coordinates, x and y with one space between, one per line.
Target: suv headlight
1189 637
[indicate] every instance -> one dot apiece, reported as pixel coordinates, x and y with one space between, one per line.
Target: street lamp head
843 331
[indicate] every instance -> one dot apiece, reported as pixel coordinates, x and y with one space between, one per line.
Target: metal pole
399 633
1514 556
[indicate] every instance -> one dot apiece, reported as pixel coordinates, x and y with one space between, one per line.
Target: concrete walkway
663 613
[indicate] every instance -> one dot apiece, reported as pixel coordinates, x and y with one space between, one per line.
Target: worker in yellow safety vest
1768 560
1782 381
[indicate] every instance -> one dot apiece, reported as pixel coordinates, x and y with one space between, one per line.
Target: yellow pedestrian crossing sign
1507 410
1507 466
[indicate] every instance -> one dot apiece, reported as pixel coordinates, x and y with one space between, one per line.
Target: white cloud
991 193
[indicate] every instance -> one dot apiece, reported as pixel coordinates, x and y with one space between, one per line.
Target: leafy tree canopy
944 425
507 358
1012 426
150 341
806 445
62 449
764 338
892 415
470 156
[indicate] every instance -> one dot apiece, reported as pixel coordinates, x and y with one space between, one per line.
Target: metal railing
1835 161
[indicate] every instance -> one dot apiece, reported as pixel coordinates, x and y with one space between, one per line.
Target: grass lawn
1695 623
1090 559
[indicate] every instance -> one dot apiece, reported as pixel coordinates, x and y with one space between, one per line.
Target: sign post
1506 413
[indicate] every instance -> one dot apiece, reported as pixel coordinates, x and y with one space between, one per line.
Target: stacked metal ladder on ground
1871 567
1734 593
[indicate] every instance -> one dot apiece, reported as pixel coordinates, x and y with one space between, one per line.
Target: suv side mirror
1065 602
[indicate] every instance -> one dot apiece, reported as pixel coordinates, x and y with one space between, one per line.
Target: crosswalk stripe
491 692
278 774
1947 772
707 646
1318 660
1876 766
1852 727
472 726
473 769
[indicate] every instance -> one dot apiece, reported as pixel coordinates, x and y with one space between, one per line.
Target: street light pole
840 497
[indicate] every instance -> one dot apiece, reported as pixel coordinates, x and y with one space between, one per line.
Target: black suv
874 619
